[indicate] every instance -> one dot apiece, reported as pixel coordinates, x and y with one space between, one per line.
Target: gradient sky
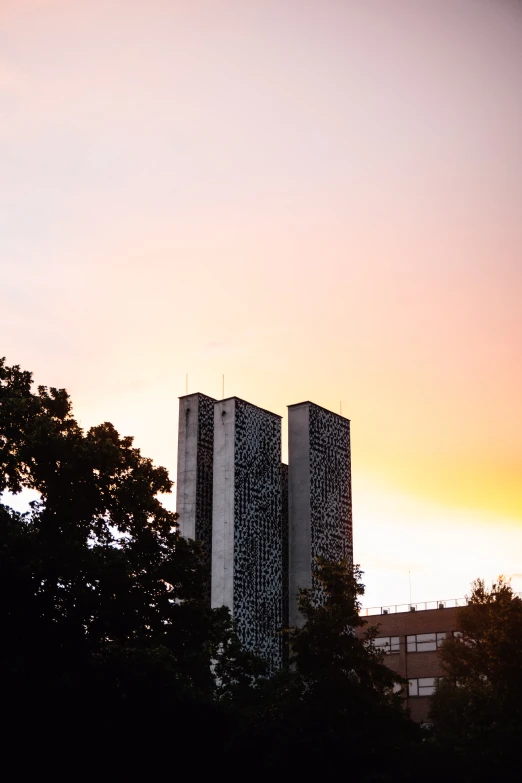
321 199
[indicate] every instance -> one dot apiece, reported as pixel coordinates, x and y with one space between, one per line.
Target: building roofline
410 613
309 402
197 394
240 399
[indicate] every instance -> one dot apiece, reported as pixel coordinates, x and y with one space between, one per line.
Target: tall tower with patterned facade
319 495
247 524
261 523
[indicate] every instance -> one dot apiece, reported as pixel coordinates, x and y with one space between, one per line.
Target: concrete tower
319 494
195 469
247 524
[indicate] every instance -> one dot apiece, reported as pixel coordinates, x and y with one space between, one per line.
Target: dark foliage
105 626
113 662
335 708
477 709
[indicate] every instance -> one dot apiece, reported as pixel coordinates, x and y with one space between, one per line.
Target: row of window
420 642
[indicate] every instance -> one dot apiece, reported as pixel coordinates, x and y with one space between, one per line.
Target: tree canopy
477 708
336 705
108 640
102 603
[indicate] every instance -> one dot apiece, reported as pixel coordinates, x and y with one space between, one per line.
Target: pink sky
321 199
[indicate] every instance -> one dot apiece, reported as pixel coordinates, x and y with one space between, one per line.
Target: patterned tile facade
330 486
204 480
258 531
231 478
285 553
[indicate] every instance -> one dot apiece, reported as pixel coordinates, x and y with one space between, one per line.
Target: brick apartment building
411 640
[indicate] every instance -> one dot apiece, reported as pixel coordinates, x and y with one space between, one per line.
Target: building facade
262 523
247 538
319 495
411 641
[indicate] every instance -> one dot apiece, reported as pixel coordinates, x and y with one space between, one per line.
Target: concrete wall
247 544
195 455
195 471
285 571
299 511
187 465
223 504
285 543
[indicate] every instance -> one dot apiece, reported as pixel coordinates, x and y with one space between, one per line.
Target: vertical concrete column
299 511
223 504
284 537
285 570
195 471
186 485
319 495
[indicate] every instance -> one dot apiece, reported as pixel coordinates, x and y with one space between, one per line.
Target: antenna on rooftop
186 383
341 407
223 386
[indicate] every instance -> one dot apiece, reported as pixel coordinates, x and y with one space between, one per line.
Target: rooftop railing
447 603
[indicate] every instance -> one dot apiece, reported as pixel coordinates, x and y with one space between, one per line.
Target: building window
422 686
388 644
424 642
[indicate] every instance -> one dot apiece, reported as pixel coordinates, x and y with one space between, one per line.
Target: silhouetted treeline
113 663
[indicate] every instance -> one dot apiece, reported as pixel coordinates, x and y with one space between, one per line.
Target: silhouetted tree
108 642
477 708
102 604
336 705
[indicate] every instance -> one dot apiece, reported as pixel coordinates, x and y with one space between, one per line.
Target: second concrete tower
319 495
248 524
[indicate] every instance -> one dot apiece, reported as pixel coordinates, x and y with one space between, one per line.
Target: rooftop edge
309 402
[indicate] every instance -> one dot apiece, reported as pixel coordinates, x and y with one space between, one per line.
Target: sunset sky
321 199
